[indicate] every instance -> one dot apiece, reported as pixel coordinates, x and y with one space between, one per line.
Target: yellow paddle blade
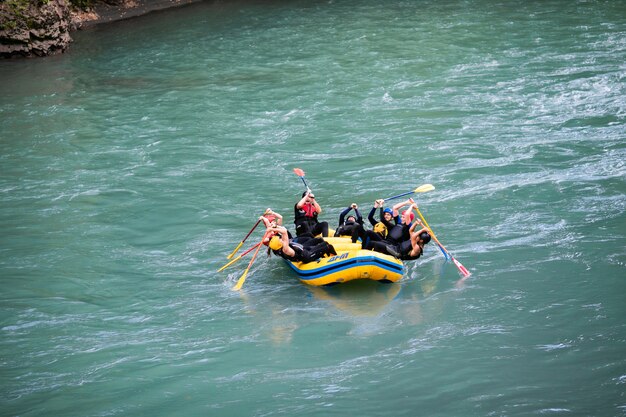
424 188
235 251
239 284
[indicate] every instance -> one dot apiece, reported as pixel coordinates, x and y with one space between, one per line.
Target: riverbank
105 13
29 29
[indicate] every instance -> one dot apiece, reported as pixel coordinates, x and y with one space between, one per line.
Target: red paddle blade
298 172
461 268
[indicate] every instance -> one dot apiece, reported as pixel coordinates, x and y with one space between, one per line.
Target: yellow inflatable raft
351 263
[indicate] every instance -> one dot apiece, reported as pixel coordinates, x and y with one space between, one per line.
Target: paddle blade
298 172
239 284
235 251
461 268
424 188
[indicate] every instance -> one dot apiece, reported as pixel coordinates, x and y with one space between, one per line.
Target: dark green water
133 164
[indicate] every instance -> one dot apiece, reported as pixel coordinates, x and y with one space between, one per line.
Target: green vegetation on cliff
14 11
34 27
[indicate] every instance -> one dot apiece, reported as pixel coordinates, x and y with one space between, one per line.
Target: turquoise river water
133 164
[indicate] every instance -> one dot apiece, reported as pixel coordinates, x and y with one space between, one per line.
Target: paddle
300 173
238 258
421 189
441 248
447 254
244 239
239 284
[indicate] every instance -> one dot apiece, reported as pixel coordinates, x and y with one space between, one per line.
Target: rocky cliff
34 28
42 27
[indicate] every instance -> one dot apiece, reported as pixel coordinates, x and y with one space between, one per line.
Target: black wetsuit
404 253
346 229
308 224
395 242
383 231
371 218
307 249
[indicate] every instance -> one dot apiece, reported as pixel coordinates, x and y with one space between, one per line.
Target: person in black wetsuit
303 249
399 241
376 239
347 227
305 212
386 214
408 243
418 240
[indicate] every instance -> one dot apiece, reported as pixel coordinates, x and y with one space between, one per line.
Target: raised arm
279 218
315 204
359 218
303 200
342 215
377 204
284 237
396 207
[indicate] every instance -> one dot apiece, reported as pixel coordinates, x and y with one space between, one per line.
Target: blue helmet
388 210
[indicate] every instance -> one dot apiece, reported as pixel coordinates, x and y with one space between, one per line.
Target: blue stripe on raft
340 266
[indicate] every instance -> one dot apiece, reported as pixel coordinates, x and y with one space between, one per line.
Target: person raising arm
305 216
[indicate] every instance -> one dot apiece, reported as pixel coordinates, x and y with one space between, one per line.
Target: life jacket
395 234
306 214
381 229
309 210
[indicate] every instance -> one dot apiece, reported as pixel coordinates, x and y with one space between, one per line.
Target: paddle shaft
443 249
245 238
238 258
421 189
399 195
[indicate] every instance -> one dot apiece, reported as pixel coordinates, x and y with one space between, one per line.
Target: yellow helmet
276 243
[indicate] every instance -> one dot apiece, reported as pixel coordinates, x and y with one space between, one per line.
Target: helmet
276 243
412 215
425 237
388 210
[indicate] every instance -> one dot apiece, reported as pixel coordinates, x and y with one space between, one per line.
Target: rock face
34 28
42 27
